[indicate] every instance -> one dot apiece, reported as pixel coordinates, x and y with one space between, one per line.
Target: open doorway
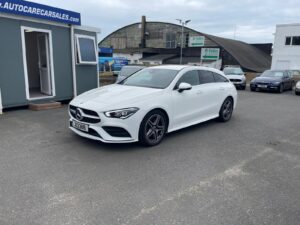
37 58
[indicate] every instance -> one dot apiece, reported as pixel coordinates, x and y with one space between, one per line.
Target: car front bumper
267 87
239 83
297 90
99 131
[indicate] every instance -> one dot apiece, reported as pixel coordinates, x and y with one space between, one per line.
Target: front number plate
262 86
80 126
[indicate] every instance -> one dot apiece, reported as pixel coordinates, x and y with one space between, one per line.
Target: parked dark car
273 80
127 71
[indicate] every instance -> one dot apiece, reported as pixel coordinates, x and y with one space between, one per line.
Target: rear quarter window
219 78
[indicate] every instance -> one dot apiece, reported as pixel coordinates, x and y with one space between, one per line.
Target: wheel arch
232 98
164 112
229 96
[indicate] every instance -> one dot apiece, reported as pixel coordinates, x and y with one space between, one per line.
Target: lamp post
182 23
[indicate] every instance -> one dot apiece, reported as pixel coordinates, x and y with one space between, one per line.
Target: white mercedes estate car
152 102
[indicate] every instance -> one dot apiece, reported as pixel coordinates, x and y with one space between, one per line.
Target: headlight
121 113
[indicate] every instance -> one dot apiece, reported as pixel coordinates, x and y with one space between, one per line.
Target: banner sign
108 64
196 41
210 53
106 50
36 10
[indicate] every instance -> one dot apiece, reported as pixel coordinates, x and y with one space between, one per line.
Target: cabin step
44 106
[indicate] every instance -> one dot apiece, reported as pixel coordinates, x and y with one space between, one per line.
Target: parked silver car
236 76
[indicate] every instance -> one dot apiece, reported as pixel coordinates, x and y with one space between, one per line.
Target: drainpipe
1 106
73 61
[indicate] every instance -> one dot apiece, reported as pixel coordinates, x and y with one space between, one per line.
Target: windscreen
233 71
152 78
270 73
127 71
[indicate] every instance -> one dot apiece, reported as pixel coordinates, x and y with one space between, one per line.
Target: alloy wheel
155 128
227 109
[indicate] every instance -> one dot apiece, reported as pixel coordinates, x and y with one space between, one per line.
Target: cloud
254 20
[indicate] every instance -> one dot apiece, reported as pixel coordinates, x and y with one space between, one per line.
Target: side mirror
184 87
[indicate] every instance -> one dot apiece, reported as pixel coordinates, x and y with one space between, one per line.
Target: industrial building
154 43
286 49
46 55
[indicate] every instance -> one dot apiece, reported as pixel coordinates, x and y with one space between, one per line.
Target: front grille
235 80
88 116
116 131
262 83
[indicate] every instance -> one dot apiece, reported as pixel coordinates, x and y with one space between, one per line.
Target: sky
252 21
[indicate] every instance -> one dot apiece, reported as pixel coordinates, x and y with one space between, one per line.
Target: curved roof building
161 42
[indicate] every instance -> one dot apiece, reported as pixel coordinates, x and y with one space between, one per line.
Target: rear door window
206 77
190 77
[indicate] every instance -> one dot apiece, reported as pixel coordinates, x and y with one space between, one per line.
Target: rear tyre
153 128
226 110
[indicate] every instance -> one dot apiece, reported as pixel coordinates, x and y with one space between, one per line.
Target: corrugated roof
248 56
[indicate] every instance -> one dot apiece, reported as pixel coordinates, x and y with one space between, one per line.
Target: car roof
232 66
278 70
171 67
181 67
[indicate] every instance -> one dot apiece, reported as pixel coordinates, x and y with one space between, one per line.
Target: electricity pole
182 23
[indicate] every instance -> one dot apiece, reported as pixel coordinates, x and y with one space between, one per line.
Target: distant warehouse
154 43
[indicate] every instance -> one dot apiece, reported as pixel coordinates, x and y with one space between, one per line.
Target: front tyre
281 88
153 128
226 110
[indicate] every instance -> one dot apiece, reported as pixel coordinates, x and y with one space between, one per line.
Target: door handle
222 89
199 92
